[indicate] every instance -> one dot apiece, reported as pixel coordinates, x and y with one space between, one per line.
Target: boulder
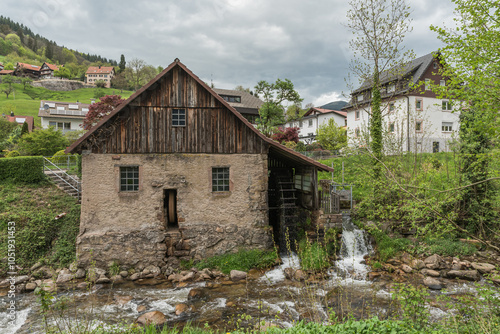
434 262
432 283
195 294
73 267
417 264
175 277
188 277
430 272
103 280
30 286
288 273
22 279
80 273
237 275
483 268
49 285
117 279
469 275
64 276
181 308
141 308
124 273
122 300
372 275
135 277
300 275
35 266
406 268
152 318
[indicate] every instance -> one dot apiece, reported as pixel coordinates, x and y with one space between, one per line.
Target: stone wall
60 85
129 227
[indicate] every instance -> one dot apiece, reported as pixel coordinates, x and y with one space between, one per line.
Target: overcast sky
227 42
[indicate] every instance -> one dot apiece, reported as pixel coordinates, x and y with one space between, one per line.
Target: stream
266 297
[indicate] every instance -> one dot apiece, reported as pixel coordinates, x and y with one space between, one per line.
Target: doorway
170 207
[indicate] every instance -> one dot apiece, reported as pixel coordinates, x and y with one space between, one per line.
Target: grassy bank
38 235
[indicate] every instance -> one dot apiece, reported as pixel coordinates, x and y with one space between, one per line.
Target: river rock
469 275
374 274
434 262
430 272
432 283
237 275
49 285
141 308
406 268
483 268
64 276
152 318
188 277
195 294
288 273
181 308
35 266
299 275
22 279
30 286
123 273
117 279
417 264
175 277
80 273
135 277
82 286
122 300
73 267
103 280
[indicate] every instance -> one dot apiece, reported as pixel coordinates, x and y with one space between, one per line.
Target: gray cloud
232 42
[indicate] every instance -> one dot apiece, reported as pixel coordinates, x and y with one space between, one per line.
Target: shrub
42 142
12 154
313 256
243 260
22 169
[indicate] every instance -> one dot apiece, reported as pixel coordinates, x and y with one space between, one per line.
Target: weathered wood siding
145 126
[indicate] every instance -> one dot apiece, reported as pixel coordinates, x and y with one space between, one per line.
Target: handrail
78 183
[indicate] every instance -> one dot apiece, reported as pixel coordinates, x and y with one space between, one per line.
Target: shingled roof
273 145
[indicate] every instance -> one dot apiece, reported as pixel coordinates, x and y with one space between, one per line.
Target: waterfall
354 248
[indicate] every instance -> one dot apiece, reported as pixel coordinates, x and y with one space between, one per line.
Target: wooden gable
144 123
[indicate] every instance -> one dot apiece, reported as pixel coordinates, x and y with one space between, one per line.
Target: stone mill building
176 173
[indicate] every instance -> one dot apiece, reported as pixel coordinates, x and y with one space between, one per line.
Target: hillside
337 105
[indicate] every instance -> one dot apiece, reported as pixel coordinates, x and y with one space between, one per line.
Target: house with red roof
47 70
27 70
100 73
315 117
21 119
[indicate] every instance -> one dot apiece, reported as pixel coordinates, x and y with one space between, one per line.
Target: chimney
99 66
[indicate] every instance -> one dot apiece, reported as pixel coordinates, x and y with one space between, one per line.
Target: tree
331 136
25 129
42 142
7 80
122 64
63 72
274 94
119 81
379 27
100 109
471 65
26 81
240 88
286 135
6 128
138 73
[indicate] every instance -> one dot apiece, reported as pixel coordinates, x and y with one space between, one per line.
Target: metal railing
65 162
51 168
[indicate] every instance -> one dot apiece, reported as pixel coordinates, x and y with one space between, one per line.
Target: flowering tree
100 109
286 135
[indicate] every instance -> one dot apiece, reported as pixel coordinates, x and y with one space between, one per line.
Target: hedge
22 169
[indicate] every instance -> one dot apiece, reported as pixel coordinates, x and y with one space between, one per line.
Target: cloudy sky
227 42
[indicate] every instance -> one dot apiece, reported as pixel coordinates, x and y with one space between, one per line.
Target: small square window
391 127
129 178
310 122
442 83
179 117
360 97
418 126
446 105
391 88
427 84
419 104
220 179
300 123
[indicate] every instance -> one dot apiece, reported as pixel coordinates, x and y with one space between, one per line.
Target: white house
311 121
64 116
414 119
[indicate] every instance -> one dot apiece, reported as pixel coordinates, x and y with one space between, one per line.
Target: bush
313 256
59 157
12 154
22 169
243 260
446 247
42 142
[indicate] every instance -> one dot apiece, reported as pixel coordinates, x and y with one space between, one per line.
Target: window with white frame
442 82
446 105
310 122
356 115
360 97
129 178
220 179
178 117
391 88
427 84
447 126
